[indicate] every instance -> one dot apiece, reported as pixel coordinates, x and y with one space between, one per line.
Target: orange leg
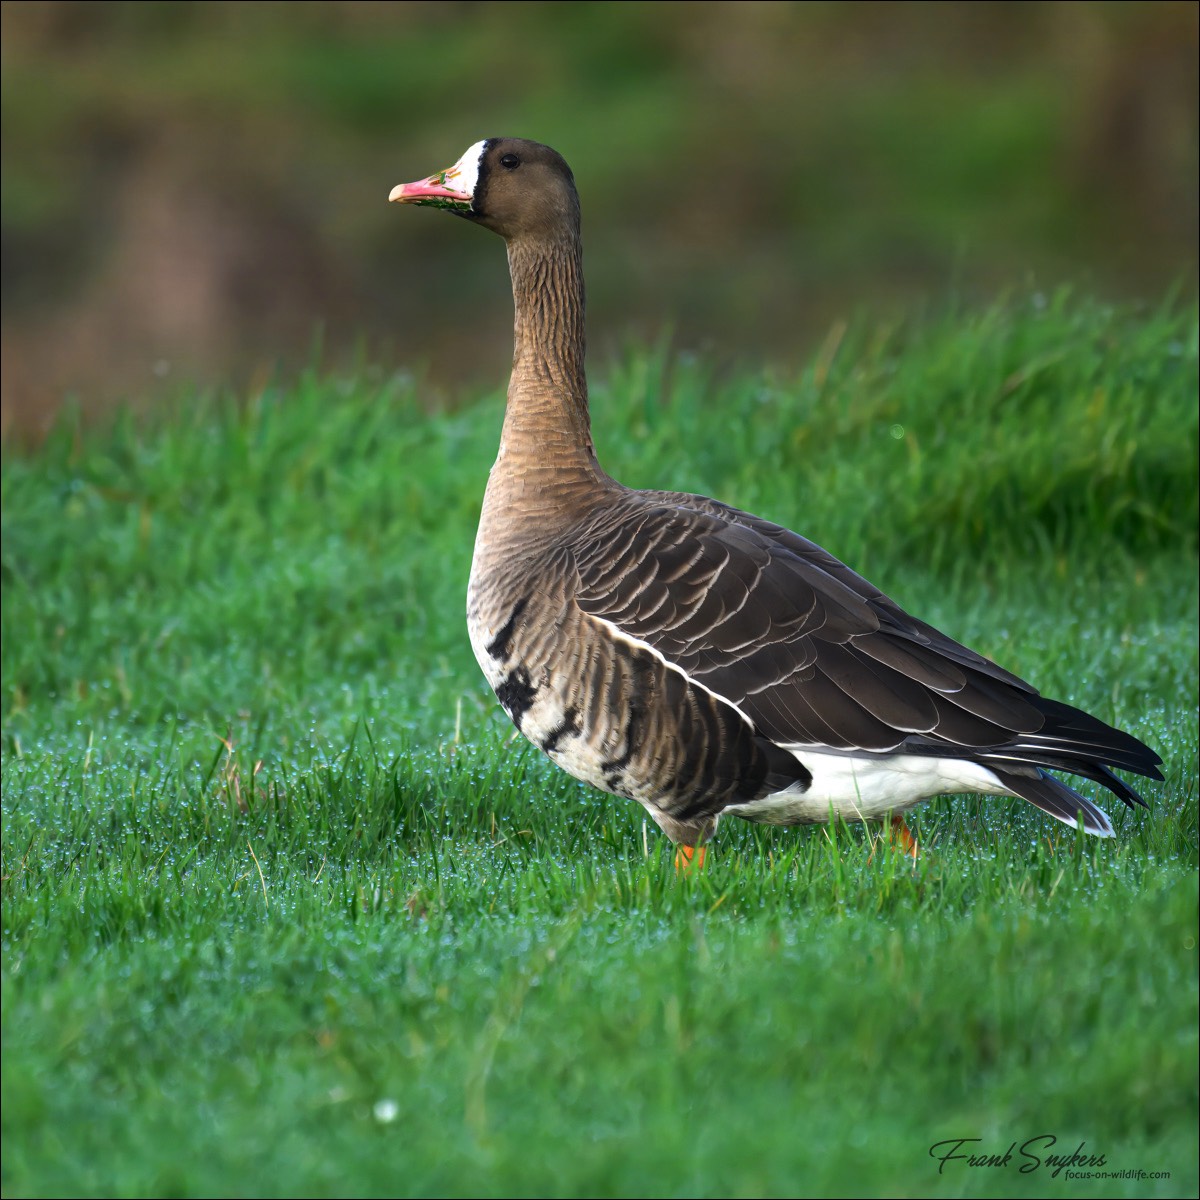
689 859
899 833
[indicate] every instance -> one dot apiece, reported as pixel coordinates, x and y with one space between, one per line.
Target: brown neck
547 421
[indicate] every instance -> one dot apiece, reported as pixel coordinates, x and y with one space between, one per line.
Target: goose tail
1053 796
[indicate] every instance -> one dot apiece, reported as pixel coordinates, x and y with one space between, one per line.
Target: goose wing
813 654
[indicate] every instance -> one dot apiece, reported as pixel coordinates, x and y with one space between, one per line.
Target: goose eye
510 162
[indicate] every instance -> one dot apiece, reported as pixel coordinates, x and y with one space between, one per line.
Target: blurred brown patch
204 274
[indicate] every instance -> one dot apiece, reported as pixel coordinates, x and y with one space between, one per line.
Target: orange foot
689 859
899 833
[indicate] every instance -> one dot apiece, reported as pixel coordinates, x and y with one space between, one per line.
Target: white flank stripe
629 640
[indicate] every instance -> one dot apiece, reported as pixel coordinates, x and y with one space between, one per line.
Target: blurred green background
192 190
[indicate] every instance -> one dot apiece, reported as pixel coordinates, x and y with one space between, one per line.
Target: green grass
286 910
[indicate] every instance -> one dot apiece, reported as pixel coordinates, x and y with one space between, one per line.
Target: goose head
514 187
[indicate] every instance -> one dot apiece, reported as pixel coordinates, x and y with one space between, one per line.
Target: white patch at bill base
464 175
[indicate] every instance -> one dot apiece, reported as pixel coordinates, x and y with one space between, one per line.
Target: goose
695 658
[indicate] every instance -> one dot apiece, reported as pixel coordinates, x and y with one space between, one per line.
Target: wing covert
809 650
